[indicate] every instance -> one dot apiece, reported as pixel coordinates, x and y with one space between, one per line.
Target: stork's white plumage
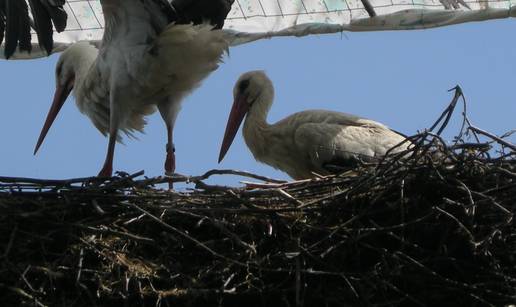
144 62
307 142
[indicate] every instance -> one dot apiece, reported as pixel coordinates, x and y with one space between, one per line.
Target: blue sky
398 78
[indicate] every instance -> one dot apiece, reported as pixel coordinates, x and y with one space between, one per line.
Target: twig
494 137
448 111
118 233
10 243
456 220
184 235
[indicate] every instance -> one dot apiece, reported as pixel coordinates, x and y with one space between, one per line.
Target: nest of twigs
432 228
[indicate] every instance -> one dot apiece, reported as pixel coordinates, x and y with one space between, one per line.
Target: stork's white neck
82 57
83 65
261 104
255 126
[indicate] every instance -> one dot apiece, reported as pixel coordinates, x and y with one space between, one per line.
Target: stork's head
73 63
253 94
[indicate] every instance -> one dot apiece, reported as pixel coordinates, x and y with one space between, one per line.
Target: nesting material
432 228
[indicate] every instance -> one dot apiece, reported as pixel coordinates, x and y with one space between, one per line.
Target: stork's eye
244 84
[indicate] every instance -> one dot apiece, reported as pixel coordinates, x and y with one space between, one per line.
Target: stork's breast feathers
99 115
93 100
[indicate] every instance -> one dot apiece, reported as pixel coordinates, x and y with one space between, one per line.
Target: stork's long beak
62 92
238 112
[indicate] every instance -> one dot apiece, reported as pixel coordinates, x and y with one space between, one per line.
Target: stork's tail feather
137 120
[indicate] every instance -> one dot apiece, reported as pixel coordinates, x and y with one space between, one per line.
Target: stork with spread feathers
146 60
16 23
304 143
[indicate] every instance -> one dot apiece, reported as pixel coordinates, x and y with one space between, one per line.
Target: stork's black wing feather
2 29
57 13
165 8
2 20
24 40
197 11
15 23
168 9
12 28
43 25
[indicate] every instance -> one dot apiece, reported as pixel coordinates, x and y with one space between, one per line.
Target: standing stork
145 60
304 143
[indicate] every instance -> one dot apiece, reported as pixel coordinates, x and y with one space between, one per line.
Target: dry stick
448 280
465 188
79 266
67 182
298 283
181 233
98 209
492 136
218 224
392 227
469 125
240 173
403 241
405 295
290 198
334 231
459 136
27 295
495 203
254 210
471 146
508 134
118 233
200 185
402 206
470 235
10 243
506 172
448 111
113 181
257 185
198 179
48 182
208 174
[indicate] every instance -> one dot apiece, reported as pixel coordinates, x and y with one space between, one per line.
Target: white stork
304 143
146 60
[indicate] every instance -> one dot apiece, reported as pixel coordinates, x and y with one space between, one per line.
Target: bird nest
432 226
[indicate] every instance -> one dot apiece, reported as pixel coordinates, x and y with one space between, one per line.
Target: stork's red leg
114 122
168 110
170 160
107 169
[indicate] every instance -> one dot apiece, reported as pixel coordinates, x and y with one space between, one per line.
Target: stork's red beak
238 112
62 92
